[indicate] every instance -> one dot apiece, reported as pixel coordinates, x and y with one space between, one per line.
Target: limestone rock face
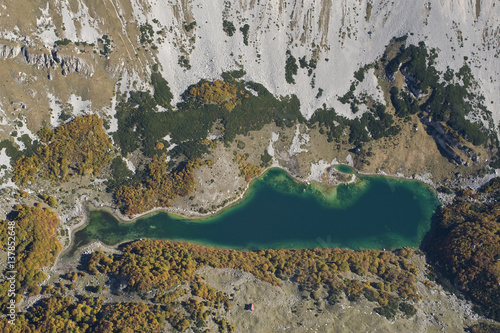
119 41
54 59
71 64
9 51
188 40
38 60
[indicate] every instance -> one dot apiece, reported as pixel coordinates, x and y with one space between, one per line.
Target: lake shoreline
196 216
200 217
285 205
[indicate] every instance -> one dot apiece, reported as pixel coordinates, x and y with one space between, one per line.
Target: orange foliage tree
465 246
90 315
218 92
160 187
248 170
154 264
80 147
36 246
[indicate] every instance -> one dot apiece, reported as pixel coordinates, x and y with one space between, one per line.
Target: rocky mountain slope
187 94
117 41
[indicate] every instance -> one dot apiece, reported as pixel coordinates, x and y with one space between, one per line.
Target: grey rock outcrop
9 51
70 64
446 142
52 59
411 83
38 60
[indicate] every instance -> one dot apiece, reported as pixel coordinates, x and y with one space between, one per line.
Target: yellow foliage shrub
80 147
217 92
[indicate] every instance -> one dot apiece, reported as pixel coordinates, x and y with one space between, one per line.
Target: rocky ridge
187 40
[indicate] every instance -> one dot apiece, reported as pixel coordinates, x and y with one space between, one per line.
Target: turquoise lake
278 212
344 168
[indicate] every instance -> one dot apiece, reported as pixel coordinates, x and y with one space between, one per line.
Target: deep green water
344 168
278 212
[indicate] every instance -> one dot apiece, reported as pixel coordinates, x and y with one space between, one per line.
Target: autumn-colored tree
36 246
160 187
465 246
80 147
150 264
218 92
90 315
248 170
